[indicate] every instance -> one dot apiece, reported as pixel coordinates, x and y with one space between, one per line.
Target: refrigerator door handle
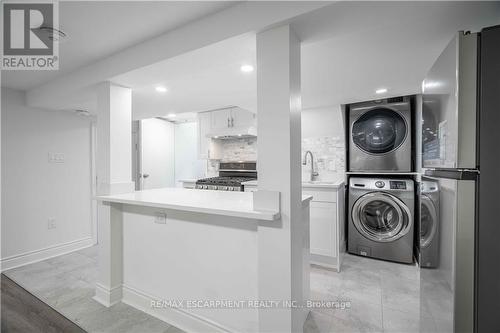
458 174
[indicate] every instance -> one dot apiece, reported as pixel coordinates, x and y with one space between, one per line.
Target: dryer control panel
397 185
384 184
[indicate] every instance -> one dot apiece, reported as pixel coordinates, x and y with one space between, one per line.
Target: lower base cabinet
323 231
327 225
327 240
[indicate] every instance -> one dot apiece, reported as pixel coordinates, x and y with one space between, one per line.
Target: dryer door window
379 131
381 217
428 219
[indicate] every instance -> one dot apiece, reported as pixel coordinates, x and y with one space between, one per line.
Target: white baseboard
177 317
106 296
45 253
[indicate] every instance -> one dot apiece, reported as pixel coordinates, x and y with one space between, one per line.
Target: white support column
281 270
114 175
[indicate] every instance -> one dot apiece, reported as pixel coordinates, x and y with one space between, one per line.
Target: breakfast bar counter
173 246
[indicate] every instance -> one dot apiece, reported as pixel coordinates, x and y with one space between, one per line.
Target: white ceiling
349 50
352 48
201 80
98 29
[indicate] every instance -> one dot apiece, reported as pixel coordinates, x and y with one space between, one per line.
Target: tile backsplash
236 149
329 157
239 149
328 152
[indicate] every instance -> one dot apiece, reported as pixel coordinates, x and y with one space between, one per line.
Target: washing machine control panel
379 184
397 185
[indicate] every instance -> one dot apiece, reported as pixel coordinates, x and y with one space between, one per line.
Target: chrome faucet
314 174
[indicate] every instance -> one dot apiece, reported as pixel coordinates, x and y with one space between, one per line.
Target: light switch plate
56 157
51 223
161 218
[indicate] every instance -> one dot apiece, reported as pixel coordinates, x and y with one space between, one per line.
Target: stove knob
379 184
225 188
214 187
205 187
231 189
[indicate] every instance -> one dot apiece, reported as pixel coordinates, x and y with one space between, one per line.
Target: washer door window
381 217
379 131
428 219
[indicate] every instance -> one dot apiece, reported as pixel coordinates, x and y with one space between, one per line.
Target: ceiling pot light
381 91
171 115
246 68
161 89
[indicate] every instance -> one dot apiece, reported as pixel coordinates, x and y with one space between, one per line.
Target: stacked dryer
380 167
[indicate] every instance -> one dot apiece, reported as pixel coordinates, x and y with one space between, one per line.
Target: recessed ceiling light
381 91
161 89
246 68
171 115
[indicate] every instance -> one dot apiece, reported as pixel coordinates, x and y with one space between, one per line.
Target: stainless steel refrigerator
460 275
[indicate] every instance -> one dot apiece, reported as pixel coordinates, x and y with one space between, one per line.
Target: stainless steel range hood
234 133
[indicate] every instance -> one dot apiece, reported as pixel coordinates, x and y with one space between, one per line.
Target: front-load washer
380 137
429 224
380 222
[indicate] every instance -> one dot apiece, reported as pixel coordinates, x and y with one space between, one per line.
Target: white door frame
93 182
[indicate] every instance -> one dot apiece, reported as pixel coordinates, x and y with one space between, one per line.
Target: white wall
187 164
323 134
34 190
326 121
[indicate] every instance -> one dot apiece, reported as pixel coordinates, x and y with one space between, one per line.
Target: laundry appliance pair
381 190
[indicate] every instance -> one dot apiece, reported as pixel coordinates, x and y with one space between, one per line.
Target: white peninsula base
192 258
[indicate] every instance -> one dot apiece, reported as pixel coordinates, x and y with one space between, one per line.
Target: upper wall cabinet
223 123
221 119
232 118
242 118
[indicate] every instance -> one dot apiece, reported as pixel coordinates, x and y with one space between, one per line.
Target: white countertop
316 184
187 180
237 204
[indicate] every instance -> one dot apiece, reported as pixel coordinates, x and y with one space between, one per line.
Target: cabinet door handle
232 122
208 154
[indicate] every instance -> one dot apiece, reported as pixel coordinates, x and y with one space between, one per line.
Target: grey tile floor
383 296
66 283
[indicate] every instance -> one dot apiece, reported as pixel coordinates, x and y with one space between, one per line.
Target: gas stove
231 175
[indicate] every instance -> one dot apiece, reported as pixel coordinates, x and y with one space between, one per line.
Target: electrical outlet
161 218
51 223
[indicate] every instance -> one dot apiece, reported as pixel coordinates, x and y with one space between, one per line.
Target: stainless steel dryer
429 223
380 137
381 218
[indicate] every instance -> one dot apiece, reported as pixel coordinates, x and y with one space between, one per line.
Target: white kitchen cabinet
327 240
242 118
323 229
221 119
231 118
207 148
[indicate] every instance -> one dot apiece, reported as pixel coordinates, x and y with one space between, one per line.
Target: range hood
234 133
